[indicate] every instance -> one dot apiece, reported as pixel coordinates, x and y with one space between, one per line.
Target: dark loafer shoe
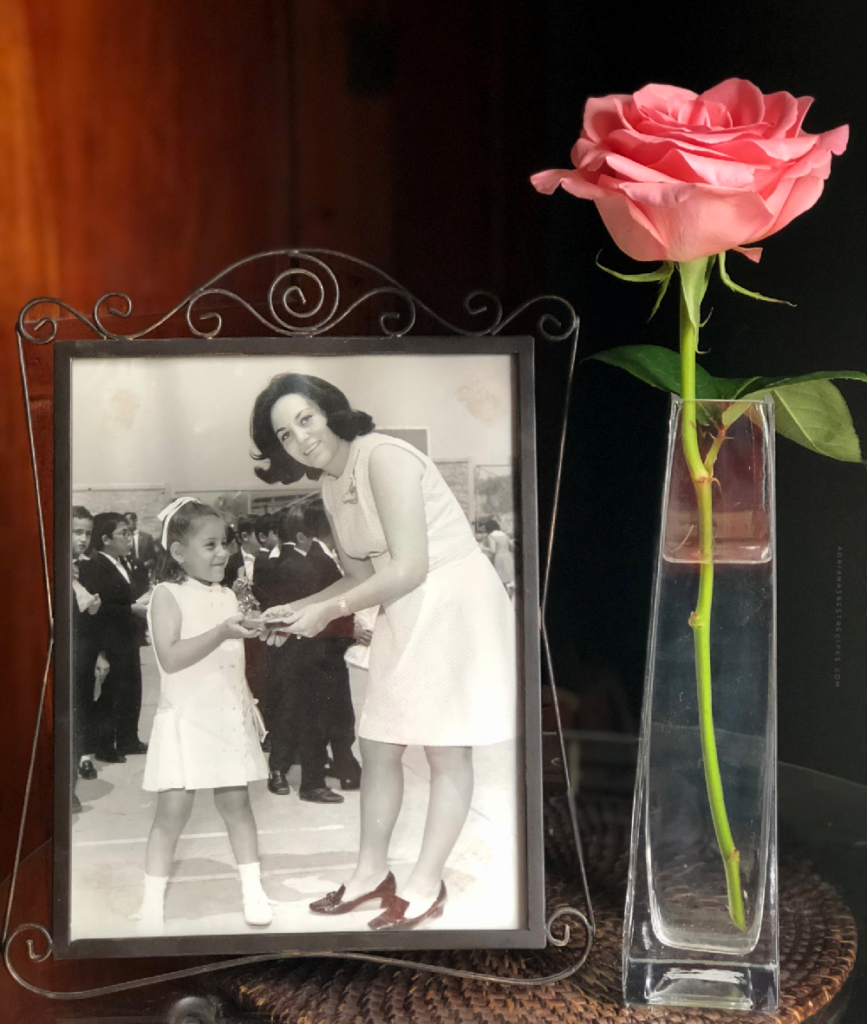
277 783
322 795
111 757
392 918
86 769
137 748
334 903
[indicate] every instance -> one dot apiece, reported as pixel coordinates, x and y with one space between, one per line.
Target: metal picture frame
305 300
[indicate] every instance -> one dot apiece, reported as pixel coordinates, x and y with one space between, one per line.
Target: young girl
207 730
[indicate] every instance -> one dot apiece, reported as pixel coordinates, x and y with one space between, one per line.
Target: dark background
147 145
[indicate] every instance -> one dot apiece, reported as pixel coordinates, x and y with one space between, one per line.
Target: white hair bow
165 517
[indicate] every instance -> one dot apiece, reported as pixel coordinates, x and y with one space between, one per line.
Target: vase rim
766 399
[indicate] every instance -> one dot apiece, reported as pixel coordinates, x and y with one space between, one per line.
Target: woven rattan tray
818 943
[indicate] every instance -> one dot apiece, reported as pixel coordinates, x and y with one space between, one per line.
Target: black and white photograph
298 681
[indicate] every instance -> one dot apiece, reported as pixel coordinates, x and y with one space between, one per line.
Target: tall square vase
701 924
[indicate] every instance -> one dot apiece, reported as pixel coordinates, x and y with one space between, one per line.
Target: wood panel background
148 145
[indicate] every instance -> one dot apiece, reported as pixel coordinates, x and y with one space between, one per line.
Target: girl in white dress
207 729
442 658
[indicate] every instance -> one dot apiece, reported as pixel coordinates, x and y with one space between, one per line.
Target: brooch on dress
350 495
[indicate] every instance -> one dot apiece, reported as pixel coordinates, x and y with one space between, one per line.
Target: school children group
182 595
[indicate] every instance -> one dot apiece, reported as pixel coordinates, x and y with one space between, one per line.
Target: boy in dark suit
244 561
87 660
312 705
245 557
117 710
144 548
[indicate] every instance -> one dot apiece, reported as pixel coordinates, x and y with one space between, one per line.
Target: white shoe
257 910
149 921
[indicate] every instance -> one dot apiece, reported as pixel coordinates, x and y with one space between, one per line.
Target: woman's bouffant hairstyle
181 525
346 422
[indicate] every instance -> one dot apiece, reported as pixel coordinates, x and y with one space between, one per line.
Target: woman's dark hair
104 525
181 525
342 419
491 525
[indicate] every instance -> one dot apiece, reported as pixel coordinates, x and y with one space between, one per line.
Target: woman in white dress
501 554
442 658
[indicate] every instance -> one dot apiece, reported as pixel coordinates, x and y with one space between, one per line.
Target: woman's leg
233 803
451 789
173 813
381 797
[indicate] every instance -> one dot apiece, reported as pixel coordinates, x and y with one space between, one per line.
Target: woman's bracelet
343 607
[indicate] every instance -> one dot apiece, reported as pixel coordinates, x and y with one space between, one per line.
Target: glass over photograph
297 681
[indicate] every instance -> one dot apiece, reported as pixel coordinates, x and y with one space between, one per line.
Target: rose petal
803 194
705 223
742 99
603 116
631 170
712 171
656 193
571 181
782 113
631 230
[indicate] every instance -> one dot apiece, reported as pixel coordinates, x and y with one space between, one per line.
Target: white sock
153 900
251 881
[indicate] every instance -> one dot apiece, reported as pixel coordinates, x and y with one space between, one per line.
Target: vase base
716 985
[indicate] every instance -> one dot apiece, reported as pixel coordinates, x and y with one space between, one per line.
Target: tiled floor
307 849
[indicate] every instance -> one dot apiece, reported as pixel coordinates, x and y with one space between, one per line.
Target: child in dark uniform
309 704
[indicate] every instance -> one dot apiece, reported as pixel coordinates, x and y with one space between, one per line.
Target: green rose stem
693 280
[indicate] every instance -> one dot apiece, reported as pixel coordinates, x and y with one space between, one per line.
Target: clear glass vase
681 945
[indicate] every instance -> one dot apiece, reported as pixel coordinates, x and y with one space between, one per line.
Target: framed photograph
297 674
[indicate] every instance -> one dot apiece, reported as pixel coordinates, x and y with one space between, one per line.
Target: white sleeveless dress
443 657
207 730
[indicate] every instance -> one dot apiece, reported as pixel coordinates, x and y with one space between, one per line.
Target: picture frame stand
289 309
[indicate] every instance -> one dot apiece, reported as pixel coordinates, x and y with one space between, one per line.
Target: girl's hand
95 605
233 629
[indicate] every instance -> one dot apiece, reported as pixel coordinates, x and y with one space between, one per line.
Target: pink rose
676 176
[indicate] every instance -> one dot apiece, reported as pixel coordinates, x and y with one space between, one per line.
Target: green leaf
809 409
727 281
814 414
659 367
751 384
